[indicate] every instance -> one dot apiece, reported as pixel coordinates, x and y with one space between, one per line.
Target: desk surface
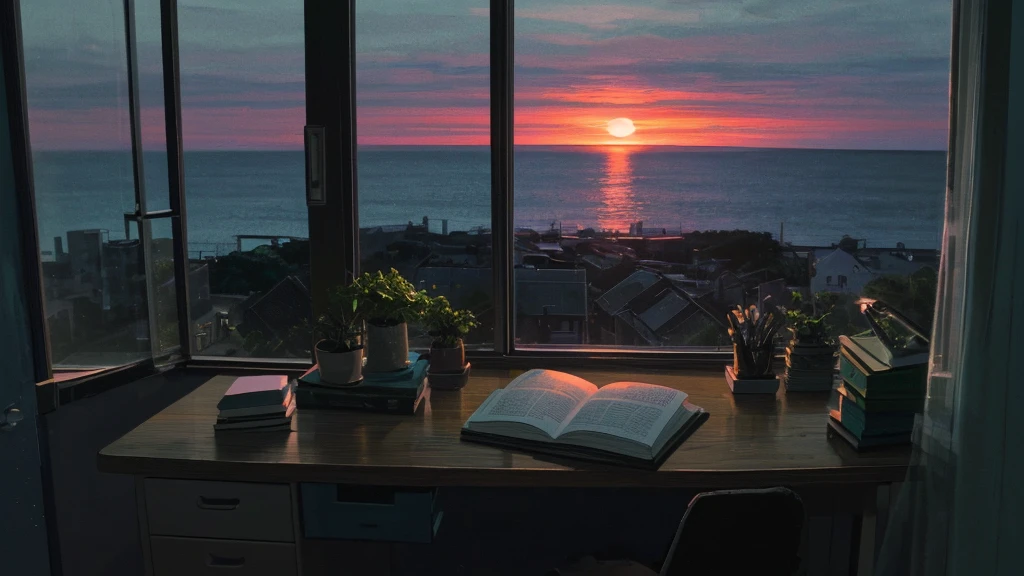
748 441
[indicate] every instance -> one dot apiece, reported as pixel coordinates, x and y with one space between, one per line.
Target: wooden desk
747 442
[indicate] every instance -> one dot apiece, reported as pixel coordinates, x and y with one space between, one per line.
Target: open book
558 413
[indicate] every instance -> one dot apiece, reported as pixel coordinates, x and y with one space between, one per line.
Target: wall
23 538
97 519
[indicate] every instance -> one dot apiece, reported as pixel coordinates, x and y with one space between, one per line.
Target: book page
544 399
630 410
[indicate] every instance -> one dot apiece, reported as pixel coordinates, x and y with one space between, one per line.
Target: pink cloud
603 17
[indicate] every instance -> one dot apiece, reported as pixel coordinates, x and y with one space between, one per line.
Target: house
836 270
551 306
649 309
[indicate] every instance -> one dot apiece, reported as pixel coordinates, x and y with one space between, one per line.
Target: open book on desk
564 415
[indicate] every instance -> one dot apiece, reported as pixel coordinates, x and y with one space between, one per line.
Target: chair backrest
738 532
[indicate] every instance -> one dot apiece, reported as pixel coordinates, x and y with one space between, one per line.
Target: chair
738 532
723 533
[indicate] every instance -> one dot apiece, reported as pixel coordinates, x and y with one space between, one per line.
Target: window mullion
330 102
501 171
176 167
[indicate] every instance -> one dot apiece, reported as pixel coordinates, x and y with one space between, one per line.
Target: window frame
330 76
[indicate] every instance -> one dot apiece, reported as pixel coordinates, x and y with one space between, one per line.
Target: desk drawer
369 513
206 557
235 510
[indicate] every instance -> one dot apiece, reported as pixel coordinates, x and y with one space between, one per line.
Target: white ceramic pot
339 367
387 347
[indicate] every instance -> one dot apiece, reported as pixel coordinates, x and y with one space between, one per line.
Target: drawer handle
225 561
217 503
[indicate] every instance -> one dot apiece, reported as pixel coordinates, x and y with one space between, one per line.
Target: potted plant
447 325
339 350
753 343
388 302
810 354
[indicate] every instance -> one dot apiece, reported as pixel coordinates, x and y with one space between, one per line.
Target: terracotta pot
387 347
339 367
448 359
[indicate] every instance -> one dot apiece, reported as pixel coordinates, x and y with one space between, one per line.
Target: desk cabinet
199 527
234 510
210 557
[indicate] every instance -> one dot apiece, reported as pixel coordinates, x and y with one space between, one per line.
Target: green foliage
446 324
807 321
744 249
257 344
256 270
912 295
386 299
342 324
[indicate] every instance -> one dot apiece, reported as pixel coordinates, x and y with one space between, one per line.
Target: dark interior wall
97 519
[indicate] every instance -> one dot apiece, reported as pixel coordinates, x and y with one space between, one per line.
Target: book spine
903 381
310 399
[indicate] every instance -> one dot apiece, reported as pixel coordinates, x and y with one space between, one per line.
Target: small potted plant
339 350
810 355
753 343
388 302
447 351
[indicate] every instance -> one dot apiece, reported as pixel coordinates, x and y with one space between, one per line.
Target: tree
912 295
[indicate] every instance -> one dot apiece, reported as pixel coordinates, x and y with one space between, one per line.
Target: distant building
551 306
85 253
279 311
124 278
650 309
836 270
463 287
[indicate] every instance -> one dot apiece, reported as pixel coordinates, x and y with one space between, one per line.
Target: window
79 121
243 107
424 161
670 161
673 160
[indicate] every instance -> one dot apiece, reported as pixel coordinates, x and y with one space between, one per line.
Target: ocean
885 197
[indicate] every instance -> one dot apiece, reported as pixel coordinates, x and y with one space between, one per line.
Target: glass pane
423 116
163 290
149 59
243 109
77 84
674 160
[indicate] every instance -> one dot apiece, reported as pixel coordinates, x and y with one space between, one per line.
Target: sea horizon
688 148
884 196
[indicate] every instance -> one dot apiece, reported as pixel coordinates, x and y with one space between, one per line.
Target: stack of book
257 403
809 367
880 394
399 392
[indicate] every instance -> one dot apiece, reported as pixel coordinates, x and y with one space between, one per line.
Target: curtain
959 510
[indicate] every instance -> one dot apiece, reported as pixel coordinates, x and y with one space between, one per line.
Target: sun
621 127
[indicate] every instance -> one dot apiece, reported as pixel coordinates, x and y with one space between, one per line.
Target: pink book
250 391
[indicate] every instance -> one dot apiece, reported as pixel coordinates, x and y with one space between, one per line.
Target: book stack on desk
257 403
809 367
880 394
399 392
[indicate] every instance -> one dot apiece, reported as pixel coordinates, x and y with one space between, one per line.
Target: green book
897 382
836 429
884 404
322 398
410 385
862 424
877 357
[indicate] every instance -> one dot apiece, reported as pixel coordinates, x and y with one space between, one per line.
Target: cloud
869 73
601 17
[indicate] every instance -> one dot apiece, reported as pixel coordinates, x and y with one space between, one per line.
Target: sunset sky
777 73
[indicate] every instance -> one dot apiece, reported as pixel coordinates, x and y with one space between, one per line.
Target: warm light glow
621 127
618 203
